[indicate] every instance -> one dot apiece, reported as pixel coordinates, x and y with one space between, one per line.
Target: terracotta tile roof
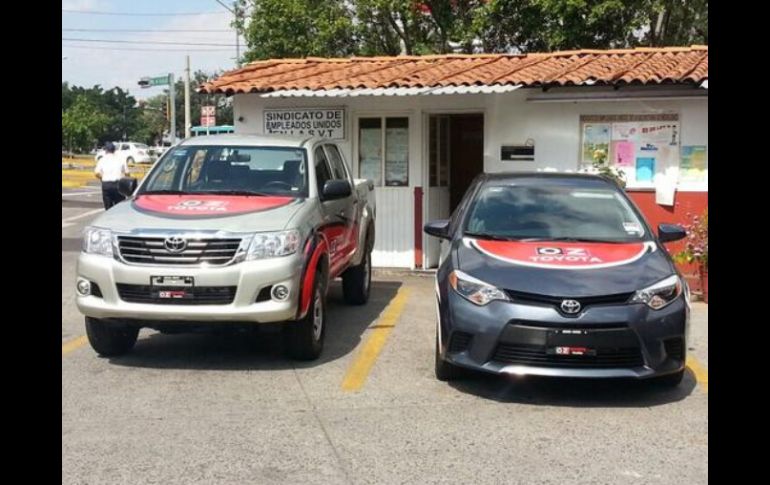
568 68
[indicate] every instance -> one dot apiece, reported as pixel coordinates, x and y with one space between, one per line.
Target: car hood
201 212
564 269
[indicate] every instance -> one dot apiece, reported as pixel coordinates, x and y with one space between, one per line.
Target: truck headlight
475 291
273 244
97 241
660 294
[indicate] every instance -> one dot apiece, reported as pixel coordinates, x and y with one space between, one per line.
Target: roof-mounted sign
323 122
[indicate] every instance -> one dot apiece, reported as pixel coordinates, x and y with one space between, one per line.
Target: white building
423 127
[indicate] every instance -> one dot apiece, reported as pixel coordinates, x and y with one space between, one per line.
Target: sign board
208 110
324 122
147 82
208 121
208 116
517 153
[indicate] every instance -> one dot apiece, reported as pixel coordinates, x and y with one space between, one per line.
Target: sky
87 63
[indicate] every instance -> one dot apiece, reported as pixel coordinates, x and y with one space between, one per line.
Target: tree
82 123
391 27
676 22
299 28
223 104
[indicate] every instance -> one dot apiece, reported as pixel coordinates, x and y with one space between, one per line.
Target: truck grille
152 250
201 295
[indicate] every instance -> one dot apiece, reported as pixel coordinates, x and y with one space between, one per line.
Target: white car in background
131 152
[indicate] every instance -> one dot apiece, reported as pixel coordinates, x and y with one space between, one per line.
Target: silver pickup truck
225 230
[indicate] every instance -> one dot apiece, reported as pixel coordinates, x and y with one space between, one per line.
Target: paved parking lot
230 409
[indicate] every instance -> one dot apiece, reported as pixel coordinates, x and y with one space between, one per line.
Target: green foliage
697 245
82 123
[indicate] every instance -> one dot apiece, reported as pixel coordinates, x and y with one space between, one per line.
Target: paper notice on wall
645 169
693 163
665 190
624 153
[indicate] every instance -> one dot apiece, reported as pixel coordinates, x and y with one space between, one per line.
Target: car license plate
171 281
577 342
572 351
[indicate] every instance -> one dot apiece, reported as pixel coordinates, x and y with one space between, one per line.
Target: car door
350 208
336 226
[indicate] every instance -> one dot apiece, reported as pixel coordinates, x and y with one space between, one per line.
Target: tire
130 160
357 281
110 340
669 381
304 337
446 371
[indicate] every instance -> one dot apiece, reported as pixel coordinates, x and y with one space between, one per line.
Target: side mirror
671 232
127 186
438 228
336 189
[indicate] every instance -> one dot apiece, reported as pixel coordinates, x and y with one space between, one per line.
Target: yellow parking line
700 372
362 365
73 345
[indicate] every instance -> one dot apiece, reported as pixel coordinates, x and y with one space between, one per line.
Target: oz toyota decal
207 205
558 255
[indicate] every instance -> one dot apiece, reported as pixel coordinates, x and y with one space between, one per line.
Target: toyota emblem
570 307
175 244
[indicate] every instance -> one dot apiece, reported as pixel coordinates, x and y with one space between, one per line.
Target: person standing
110 169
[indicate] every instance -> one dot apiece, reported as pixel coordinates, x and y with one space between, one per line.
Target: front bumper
628 340
249 277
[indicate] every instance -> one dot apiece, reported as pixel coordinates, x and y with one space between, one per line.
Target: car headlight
97 241
473 290
273 244
660 294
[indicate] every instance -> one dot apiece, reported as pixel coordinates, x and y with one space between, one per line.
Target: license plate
175 281
173 294
572 351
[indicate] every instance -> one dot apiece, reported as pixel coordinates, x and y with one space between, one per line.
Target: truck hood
201 212
562 269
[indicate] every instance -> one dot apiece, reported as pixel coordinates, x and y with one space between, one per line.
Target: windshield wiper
494 237
571 239
234 192
163 192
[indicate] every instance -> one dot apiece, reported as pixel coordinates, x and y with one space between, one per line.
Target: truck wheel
357 280
306 336
109 340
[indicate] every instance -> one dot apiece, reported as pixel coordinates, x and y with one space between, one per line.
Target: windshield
553 212
230 169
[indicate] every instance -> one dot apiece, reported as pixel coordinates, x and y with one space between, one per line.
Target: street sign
208 121
208 110
208 116
147 82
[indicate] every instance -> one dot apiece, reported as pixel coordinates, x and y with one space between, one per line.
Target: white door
437 194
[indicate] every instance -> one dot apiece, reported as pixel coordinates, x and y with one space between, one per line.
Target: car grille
151 250
555 301
605 358
460 341
201 295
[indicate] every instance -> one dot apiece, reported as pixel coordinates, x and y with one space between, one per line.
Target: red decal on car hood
560 255
208 205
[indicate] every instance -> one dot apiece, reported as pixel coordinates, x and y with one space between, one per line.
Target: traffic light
166 108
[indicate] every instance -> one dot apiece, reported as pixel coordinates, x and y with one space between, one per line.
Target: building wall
509 119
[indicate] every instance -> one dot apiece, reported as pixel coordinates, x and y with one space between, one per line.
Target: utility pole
187 100
236 15
172 108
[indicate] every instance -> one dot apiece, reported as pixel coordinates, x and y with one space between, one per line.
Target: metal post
172 108
237 35
187 100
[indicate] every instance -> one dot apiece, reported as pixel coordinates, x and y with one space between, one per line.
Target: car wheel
357 281
130 160
306 336
446 371
109 340
669 380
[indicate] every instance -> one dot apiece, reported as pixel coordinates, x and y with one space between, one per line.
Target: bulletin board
642 146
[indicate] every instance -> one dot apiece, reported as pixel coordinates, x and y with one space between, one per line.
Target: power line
147 42
145 30
149 49
131 14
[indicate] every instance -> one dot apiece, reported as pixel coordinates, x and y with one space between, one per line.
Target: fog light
280 292
83 287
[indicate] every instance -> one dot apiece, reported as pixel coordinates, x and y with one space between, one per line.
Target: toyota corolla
557 275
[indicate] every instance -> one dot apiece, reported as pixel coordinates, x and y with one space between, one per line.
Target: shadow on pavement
262 349
556 391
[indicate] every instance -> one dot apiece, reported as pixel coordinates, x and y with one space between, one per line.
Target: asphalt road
219 409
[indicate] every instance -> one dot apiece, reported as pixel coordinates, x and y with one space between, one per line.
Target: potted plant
696 249
601 167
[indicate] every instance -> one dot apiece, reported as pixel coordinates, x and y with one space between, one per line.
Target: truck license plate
173 281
